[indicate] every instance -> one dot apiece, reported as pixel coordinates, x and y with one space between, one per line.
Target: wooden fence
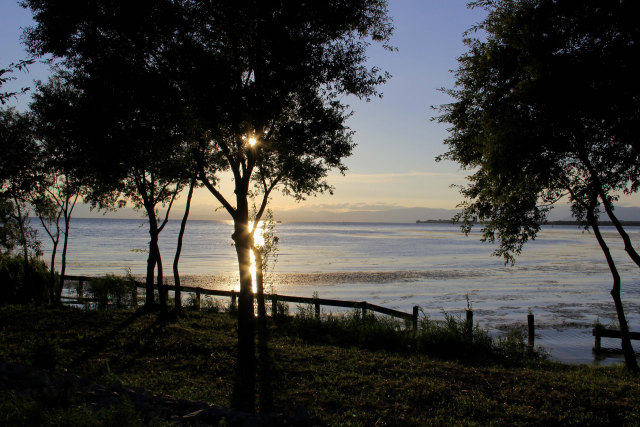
275 298
600 332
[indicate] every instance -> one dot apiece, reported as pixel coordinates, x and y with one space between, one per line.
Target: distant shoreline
576 223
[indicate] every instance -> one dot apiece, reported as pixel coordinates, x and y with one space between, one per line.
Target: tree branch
203 178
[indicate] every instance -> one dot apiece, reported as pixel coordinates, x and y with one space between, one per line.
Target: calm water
562 276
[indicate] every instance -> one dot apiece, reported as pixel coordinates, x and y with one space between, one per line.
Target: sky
392 172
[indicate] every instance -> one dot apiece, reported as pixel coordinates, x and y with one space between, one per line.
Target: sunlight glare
252 141
258 240
252 269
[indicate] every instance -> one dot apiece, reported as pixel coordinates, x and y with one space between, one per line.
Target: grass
341 381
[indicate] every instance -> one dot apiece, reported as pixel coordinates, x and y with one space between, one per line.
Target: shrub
111 289
454 338
14 289
451 338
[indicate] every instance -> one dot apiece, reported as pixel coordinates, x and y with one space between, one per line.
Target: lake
561 277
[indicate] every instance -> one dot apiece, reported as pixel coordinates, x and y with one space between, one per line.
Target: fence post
469 322
134 295
233 300
80 289
532 329
415 317
363 304
274 305
317 306
598 342
197 299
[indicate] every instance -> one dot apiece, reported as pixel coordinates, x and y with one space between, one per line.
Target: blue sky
393 165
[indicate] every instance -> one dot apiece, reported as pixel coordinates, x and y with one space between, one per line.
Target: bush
452 338
14 289
111 289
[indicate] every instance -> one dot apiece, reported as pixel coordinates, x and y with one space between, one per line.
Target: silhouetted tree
130 106
56 120
266 81
546 109
19 177
270 72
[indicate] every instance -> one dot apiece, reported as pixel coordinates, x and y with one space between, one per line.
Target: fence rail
601 332
275 298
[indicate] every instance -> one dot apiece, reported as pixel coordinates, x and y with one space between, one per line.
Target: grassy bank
338 383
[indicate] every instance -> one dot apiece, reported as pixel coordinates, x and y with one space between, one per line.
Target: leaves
544 105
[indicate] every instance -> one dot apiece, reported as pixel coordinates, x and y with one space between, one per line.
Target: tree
258 84
276 72
19 177
130 137
17 173
57 126
545 106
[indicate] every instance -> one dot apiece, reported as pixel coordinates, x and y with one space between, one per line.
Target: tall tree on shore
19 172
19 177
56 125
130 138
261 82
278 71
546 107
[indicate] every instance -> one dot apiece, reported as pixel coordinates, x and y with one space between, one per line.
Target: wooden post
598 343
197 299
469 322
532 330
317 306
274 305
233 300
134 295
415 317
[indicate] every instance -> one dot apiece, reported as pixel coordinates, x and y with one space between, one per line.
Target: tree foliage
19 177
546 103
129 136
6 76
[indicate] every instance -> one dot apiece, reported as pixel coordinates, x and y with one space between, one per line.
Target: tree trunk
63 261
627 349
628 246
264 354
262 311
52 272
162 293
243 397
176 259
26 276
151 265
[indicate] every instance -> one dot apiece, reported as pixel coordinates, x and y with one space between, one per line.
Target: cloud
342 207
374 178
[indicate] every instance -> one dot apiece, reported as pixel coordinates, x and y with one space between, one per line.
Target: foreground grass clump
18 410
341 384
452 338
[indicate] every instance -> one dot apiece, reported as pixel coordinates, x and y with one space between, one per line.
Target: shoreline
566 338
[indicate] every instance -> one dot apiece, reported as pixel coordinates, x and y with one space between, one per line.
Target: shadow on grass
130 349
